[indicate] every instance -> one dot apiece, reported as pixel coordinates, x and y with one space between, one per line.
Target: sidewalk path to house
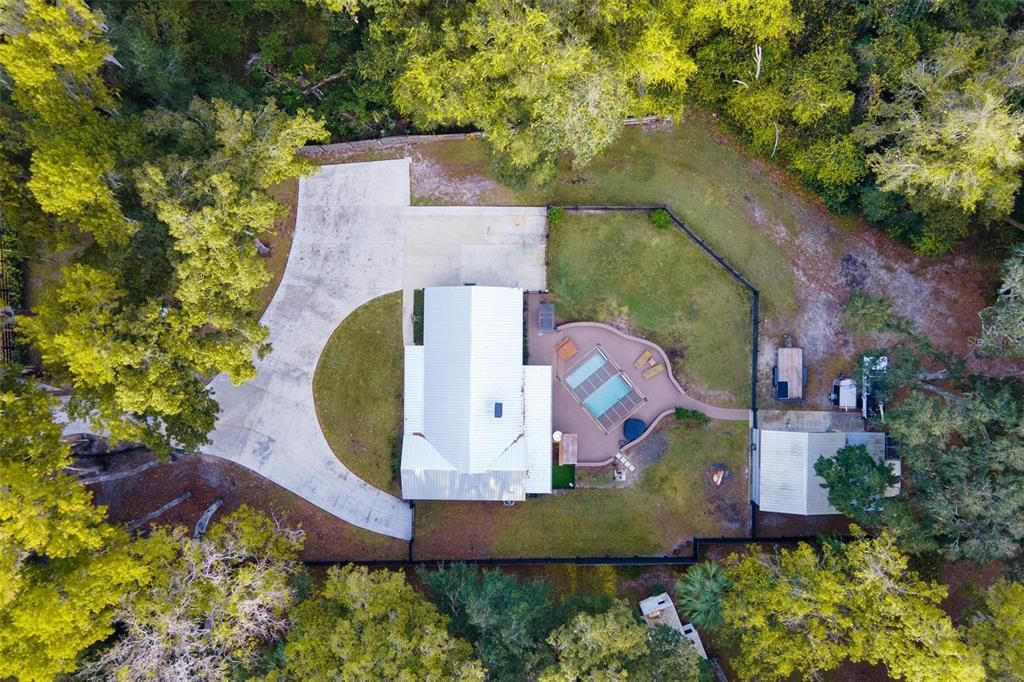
357 238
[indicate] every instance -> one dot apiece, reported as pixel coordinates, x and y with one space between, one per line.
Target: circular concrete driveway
357 238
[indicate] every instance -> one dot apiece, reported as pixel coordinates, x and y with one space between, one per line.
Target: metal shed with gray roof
784 480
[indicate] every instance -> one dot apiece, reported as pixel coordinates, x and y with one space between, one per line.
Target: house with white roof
477 419
784 480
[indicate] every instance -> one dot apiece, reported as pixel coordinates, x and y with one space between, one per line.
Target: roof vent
497 410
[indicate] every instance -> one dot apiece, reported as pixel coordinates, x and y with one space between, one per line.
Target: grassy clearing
723 195
358 389
670 504
612 267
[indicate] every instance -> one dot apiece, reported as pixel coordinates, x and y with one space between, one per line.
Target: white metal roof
472 358
537 384
787 482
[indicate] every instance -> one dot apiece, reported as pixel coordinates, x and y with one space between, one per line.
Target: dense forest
141 141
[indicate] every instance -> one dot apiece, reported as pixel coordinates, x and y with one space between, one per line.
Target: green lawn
720 193
358 389
612 267
670 504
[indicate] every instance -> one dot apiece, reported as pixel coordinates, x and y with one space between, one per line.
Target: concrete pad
357 238
347 250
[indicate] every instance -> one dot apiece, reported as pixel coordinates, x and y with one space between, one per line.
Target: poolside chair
630 466
643 359
654 371
566 348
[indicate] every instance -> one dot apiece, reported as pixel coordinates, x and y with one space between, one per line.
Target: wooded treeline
141 140
83 598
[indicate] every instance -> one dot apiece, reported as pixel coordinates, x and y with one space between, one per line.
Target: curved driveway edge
356 238
347 250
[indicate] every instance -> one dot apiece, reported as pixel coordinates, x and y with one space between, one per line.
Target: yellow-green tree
136 358
802 612
63 569
543 78
372 626
999 629
52 53
615 645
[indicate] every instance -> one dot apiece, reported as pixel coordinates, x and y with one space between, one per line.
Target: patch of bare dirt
452 183
208 479
942 296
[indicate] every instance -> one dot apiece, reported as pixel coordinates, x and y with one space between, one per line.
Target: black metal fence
700 547
755 317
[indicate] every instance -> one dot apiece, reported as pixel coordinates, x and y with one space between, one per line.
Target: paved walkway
357 238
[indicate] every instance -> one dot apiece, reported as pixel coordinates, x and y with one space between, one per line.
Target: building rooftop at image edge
456 446
786 480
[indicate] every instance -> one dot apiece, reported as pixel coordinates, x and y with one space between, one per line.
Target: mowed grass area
616 267
671 503
721 194
358 390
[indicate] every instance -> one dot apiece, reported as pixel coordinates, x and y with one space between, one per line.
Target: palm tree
700 592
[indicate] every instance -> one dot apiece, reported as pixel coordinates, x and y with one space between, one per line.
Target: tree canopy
545 78
211 605
616 645
965 459
506 619
63 569
804 613
364 625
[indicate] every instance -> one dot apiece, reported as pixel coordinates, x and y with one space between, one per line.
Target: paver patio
662 393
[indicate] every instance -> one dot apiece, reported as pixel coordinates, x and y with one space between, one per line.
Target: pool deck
662 392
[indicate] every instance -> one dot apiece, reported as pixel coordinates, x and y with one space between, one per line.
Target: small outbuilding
659 610
789 376
784 480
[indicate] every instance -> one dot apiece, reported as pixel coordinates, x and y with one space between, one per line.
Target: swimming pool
585 370
609 393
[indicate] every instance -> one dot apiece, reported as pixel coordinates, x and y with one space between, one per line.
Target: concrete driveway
357 238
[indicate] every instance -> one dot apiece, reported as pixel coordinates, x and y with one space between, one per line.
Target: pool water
583 372
609 393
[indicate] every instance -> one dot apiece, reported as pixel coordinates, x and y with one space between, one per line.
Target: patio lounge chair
643 359
566 348
630 466
654 371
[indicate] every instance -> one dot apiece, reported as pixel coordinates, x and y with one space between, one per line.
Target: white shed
784 478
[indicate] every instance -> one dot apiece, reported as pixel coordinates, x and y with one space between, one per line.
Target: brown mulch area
209 478
967 582
772 525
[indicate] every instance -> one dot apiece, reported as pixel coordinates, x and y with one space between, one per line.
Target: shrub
660 218
692 416
555 216
864 314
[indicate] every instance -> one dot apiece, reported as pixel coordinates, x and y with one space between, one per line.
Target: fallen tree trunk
204 520
117 475
154 514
